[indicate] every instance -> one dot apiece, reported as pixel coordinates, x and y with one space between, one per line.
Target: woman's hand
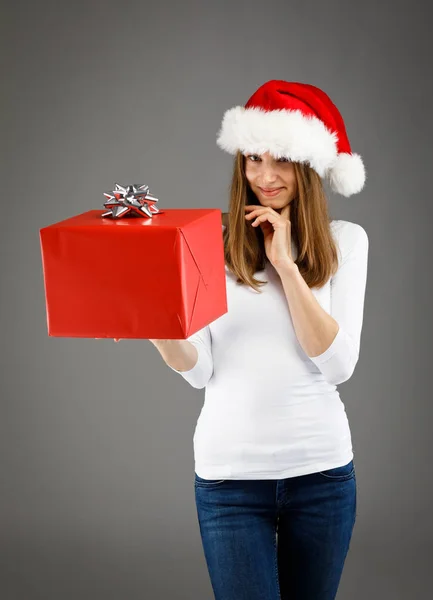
276 229
153 341
118 340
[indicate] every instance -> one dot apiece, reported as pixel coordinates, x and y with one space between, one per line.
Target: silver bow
134 198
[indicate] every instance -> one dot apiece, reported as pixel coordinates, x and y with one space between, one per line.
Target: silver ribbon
130 199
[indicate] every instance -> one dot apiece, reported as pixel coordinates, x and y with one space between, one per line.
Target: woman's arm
191 358
180 355
332 341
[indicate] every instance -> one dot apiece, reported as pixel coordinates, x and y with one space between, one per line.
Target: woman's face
264 172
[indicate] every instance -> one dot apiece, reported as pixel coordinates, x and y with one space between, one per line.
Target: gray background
97 496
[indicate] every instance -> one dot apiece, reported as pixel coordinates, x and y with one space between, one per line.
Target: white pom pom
347 176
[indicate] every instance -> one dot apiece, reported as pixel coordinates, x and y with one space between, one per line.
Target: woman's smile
274 192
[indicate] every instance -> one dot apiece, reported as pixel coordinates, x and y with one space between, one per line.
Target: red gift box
159 277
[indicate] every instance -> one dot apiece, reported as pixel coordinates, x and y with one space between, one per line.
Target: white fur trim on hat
347 176
283 133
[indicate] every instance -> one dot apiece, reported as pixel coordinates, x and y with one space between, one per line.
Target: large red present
159 277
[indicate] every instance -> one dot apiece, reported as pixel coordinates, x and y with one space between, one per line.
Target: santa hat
297 121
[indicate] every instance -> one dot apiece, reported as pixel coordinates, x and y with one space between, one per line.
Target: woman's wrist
181 355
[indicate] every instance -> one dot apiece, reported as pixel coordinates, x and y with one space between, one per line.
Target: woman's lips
273 193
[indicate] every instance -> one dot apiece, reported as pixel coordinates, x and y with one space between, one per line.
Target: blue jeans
277 539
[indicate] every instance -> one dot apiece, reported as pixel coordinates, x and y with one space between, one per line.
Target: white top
270 411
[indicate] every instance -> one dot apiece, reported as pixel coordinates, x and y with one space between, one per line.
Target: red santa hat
297 121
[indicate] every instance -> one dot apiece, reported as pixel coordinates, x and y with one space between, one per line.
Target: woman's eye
254 156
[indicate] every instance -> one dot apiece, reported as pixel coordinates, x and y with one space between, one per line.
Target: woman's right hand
154 342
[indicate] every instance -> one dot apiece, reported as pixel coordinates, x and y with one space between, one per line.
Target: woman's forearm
178 354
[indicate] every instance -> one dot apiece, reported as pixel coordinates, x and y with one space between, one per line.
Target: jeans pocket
207 482
339 473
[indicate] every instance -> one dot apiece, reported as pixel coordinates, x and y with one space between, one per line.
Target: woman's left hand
276 229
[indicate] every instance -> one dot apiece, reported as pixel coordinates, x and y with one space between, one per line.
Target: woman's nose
269 178
269 173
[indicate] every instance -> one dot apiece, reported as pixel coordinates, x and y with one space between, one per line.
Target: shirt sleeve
199 376
348 285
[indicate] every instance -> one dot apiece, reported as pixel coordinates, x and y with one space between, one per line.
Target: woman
275 481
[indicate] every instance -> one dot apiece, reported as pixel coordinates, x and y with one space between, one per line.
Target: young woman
275 479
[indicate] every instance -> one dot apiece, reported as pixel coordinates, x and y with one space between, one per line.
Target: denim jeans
277 539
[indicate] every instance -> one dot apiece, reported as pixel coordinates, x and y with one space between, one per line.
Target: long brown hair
244 249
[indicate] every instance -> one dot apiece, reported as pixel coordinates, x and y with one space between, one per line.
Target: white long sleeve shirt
270 411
